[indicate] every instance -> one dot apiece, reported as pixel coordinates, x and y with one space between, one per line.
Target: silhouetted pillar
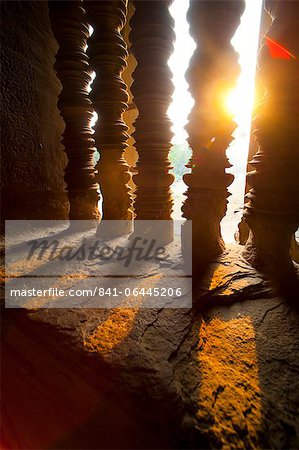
152 39
212 74
71 31
272 212
108 53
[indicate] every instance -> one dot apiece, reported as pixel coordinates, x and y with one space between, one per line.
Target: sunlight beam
184 47
240 103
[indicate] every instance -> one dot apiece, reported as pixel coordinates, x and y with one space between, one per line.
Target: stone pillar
272 212
211 75
242 234
107 51
71 31
152 39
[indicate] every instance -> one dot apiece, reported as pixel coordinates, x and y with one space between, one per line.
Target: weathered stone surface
249 367
107 51
32 158
221 375
70 28
272 210
152 37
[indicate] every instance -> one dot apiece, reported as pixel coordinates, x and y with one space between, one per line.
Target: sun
237 105
233 103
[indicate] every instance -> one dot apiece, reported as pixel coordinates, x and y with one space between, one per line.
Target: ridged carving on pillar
272 211
71 31
108 53
152 37
212 73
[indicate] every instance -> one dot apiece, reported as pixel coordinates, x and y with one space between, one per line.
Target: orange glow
232 103
112 332
229 379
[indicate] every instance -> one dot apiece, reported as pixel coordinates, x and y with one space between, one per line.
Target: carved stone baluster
71 32
108 53
152 39
272 212
212 73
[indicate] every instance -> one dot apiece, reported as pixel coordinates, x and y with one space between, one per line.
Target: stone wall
33 160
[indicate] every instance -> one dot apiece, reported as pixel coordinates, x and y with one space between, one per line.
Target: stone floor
222 375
